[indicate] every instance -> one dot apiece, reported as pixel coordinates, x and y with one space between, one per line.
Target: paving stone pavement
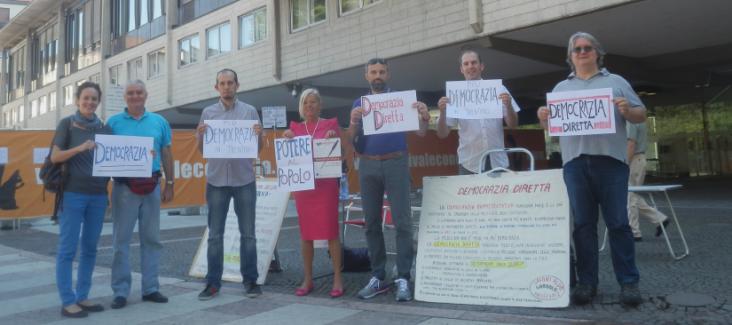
28 294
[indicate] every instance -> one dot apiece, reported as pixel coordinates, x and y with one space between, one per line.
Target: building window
218 40
83 35
44 48
134 69
188 10
304 13
189 50
156 63
114 75
347 6
21 113
96 78
16 73
34 108
252 27
52 101
68 95
43 108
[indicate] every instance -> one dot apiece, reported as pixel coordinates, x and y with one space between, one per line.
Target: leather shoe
79 314
659 231
304 291
118 302
155 297
94 308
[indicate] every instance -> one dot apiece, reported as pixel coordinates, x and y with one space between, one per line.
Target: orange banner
22 195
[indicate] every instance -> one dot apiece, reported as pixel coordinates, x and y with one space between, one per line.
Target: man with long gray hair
596 173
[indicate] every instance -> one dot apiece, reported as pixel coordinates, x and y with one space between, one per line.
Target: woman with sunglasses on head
317 209
84 201
596 173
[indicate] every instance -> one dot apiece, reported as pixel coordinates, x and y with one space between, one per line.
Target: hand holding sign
581 112
389 112
122 156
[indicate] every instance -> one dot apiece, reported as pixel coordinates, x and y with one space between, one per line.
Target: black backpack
53 176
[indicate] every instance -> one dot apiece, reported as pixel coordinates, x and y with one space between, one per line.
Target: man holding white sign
384 167
596 173
230 177
482 130
138 198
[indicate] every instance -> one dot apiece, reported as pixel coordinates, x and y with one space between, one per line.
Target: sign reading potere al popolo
581 112
495 240
389 112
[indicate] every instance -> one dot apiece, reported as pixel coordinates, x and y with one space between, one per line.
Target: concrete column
60 58
171 54
27 79
106 21
4 76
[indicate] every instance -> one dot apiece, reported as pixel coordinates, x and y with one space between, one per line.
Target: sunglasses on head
376 61
580 49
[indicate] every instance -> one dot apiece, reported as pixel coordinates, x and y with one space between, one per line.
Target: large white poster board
295 163
487 240
122 156
271 206
274 116
581 112
327 158
474 99
230 139
389 112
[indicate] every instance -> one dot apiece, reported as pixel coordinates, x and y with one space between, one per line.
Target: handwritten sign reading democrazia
295 164
230 139
122 156
389 112
581 112
474 99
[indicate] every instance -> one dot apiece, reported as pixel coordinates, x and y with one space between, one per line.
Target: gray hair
304 95
136 82
595 44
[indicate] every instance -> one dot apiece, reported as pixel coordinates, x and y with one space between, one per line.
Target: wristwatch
169 182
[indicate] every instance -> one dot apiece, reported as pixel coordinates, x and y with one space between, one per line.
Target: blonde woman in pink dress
317 209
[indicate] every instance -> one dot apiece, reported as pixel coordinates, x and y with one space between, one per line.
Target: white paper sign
115 102
327 158
3 155
389 112
270 210
295 163
39 155
230 139
495 240
122 156
274 116
474 99
581 112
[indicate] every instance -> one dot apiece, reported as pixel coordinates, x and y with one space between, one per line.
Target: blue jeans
80 213
390 176
603 181
245 201
127 209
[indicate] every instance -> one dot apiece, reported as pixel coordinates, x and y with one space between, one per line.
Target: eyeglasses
376 61
580 49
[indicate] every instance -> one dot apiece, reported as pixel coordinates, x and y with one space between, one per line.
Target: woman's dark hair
88 84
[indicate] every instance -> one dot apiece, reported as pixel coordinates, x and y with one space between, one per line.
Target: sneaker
372 289
155 297
583 294
630 296
663 224
252 289
403 293
208 293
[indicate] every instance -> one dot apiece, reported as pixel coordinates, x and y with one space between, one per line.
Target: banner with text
123 156
270 210
230 139
474 99
581 112
327 158
389 112
495 240
294 159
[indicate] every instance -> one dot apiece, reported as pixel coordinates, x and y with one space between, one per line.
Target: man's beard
378 86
